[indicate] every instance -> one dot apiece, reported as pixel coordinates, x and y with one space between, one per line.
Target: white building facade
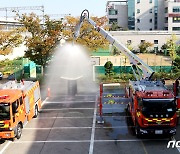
134 38
145 15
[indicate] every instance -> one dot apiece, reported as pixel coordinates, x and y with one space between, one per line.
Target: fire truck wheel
36 112
19 131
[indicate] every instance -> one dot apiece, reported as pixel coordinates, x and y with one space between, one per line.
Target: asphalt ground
70 127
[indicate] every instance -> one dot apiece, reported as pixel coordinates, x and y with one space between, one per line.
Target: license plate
158 131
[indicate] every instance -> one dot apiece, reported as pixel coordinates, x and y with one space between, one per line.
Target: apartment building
145 15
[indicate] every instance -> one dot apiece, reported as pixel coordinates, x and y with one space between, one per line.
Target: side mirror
137 110
14 107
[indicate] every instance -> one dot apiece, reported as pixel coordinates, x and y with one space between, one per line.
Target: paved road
68 126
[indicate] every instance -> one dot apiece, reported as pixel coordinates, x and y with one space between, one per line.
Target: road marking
87 117
80 141
144 147
77 127
65 102
173 139
44 101
67 109
93 129
63 118
5 147
59 128
74 109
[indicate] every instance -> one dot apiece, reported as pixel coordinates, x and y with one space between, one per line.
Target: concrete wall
150 36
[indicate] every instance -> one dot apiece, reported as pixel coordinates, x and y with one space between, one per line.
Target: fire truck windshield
167 107
4 111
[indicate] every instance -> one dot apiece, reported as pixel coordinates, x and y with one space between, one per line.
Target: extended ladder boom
136 63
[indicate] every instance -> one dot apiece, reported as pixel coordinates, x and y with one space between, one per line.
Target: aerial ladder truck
153 108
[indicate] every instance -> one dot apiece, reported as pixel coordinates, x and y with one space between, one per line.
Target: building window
138 10
131 14
138 1
166 19
176 19
142 41
150 11
166 10
150 20
112 20
176 9
155 41
165 28
113 12
138 21
150 1
176 28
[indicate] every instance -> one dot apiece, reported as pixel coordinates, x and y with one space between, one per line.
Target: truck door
21 109
15 113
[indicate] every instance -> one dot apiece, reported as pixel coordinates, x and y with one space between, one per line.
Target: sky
73 7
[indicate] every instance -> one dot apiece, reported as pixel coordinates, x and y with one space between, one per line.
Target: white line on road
5 147
67 109
173 139
74 109
80 141
65 102
77 127
63 118
91 147
58 128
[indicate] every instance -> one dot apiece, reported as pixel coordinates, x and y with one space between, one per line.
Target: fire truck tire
19 131
36 111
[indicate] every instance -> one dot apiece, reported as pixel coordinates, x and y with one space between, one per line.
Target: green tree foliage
9 40
171 46
176 64
43 38
108 68
89 37
114 26
143 47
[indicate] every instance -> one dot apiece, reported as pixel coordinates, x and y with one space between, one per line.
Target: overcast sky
73 7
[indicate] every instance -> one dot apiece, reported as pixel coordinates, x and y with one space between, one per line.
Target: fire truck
19 103
152 107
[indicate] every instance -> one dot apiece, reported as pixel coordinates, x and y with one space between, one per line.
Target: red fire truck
153 107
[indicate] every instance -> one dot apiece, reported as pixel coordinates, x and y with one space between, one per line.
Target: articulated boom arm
136 63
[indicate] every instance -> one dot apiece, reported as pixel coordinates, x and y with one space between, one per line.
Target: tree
114 26
43 39
176 64
171 46
144 46
89 37
108 68
9 40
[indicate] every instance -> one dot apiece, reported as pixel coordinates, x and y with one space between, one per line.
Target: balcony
174 15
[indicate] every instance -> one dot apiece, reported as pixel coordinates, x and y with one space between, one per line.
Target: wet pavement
68 126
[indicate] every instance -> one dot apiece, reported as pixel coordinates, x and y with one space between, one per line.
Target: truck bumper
157 131
7 134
